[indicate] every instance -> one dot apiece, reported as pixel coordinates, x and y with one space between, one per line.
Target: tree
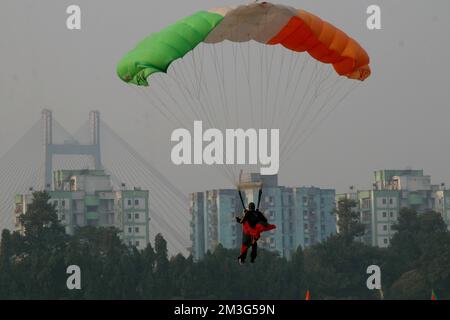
40 218
420 250
348 219
336 268
162 268
6 253
39 260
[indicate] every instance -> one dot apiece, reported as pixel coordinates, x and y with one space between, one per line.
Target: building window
384 214
130 230
137 243
391 214
63 217
306 226
136 202
384 201
384 227
136 229
136 215
63 203
391 201
129 216
129 202
385 240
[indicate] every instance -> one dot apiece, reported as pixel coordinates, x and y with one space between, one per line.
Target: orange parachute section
325 43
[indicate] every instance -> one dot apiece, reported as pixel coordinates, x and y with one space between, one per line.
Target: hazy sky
398 118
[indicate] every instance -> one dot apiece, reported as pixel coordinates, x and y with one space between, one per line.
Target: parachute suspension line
226 171
286 87
264 65
236 106
260 102
224 84
220 83
315 80
183 92
297 136
207 98
247 75
207 105
188 97
303 109
198 74
233 173
299 109
146 99
268 77
298 82
227 174
316 96
329 98
153 93
277 91
319 123
242 199
144 94
163 87
219 68
205 109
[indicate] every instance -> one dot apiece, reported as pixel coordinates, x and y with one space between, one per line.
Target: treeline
33 265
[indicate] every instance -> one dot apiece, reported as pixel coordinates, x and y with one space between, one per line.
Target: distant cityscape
305 215
98 196
87 198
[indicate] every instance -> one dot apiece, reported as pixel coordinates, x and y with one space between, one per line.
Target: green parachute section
156 52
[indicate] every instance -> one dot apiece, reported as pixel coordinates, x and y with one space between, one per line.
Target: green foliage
33 265
348 220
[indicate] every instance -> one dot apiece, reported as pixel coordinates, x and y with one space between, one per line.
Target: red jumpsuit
253 224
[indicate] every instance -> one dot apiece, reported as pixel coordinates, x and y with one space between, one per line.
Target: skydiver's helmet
251 206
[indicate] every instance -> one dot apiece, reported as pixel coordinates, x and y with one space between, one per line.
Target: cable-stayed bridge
47 146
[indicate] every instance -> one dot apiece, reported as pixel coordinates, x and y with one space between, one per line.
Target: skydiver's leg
246 243
254 252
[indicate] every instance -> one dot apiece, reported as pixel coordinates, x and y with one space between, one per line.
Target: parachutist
253 224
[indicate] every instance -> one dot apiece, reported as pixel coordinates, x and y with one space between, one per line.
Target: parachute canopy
266 23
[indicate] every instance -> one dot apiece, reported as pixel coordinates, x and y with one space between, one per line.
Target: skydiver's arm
242 218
